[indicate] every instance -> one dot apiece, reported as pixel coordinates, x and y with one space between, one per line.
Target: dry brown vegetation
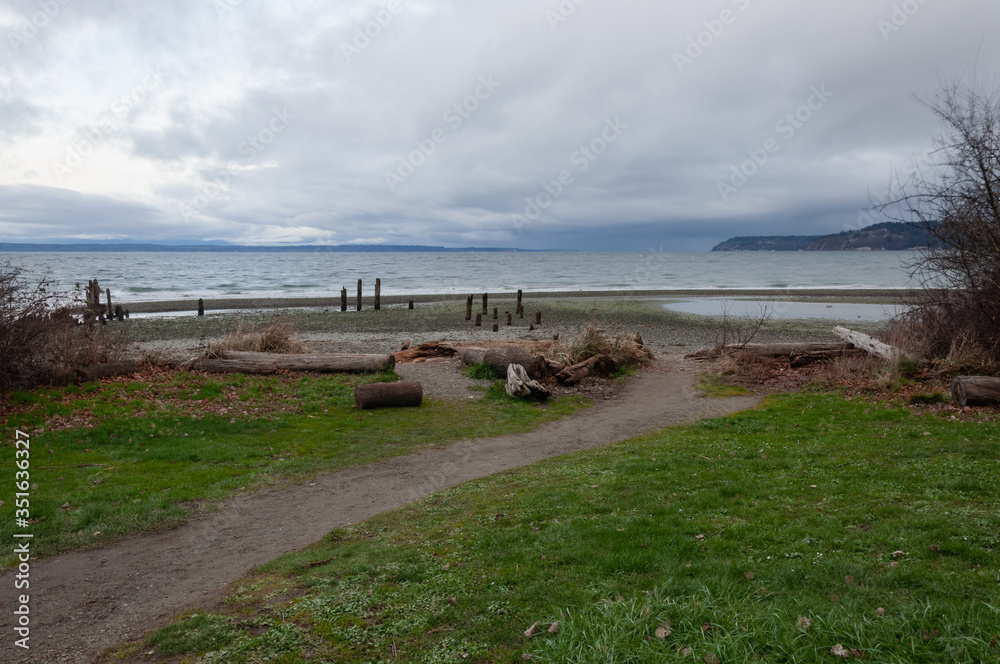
280 336
40 340
626 348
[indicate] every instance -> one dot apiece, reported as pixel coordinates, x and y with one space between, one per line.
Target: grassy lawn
115 458
812 526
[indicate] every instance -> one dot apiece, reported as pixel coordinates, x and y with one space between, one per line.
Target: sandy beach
180 333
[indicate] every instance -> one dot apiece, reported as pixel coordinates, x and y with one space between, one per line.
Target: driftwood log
232 366
107 370
868 344
519 384
975 390
599 365
322 363
499 358
407 394
798 354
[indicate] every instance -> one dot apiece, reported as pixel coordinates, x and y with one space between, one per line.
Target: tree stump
975 390
389 395
519 385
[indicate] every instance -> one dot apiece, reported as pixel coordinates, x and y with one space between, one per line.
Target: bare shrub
40 340
736 332
280 336
957 200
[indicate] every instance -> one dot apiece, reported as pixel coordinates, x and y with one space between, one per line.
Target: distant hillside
888 236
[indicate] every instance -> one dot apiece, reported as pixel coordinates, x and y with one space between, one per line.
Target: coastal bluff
888 236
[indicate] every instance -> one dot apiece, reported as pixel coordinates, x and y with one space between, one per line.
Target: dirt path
83 602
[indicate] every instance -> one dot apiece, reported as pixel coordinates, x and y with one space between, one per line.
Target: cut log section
519 385
975 390
597 365
389 395
326 363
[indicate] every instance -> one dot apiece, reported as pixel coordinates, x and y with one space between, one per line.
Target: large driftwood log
501 358
772 350
868 344
232 366
975 390
107 370
389 395
326 363
597 365
520 385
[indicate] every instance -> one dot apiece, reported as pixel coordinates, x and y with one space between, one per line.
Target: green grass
713 386
139 456
482 371
880 527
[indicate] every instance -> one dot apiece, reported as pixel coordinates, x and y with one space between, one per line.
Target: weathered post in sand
359 295
468 308
519 293
538 318
496 327
343 298
378 294
509 318
495 313
109 303
201 307
411 305
486 299
479 320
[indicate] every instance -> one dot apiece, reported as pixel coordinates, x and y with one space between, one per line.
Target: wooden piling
343 298
520 312
201 307
496 327
519 293
109 310
538 318
495 314
378 294
486 299
509 318
468 308
359 295
411 305
479 320
119 312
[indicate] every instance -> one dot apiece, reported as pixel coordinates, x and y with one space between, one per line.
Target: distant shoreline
232 304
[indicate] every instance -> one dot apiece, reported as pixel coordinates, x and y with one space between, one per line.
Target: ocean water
144 276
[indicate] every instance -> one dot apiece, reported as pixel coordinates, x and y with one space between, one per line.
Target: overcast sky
581 124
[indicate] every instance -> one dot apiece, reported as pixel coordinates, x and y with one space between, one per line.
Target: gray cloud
201 153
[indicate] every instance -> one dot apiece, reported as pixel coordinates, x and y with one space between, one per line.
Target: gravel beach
171 330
